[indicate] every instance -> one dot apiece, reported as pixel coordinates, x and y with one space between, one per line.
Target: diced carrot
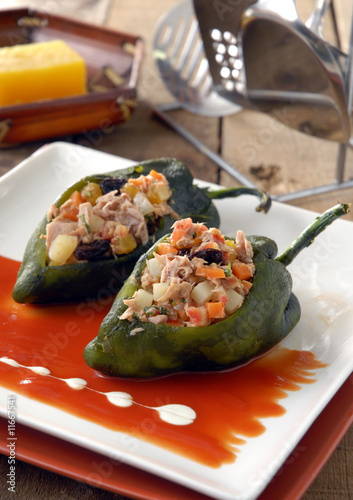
197 315
136 182
70 210
210 272
140 181
246 286
76 198
241 270
195 241
218 236
70 213
156 175
201 229
180 229
215 310
165 248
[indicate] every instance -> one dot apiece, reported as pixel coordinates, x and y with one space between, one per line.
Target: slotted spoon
177 37
178 50
216 85
181 61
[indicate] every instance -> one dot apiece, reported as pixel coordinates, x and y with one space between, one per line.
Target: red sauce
228 405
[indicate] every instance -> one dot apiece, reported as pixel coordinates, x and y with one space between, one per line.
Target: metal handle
316 20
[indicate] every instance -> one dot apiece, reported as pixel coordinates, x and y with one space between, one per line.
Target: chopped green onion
227 270
149 310
85 224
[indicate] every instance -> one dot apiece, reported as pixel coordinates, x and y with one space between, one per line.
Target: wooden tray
112 59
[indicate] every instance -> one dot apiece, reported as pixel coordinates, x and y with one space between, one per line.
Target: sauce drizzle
204 417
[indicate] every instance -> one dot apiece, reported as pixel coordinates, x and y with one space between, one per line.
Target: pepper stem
237 191
310 233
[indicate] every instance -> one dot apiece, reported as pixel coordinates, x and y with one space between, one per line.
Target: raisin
183 251
96 250
210 255
153 222
112 184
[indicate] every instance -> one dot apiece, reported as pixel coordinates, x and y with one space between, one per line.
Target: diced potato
141 202
158 192
159 289
121 230
143 298
202 292
91 192
230 243
62 248
234 301
124 244
130 189
154 267
96 223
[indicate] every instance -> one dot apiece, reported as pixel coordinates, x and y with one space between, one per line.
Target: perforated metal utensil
262 56
181 61
183 67
177 43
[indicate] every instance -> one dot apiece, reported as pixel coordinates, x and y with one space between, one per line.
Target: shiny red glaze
230 406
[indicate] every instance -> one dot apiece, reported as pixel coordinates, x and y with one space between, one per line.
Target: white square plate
323 282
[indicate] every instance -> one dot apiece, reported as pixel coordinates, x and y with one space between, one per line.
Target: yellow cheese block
36 71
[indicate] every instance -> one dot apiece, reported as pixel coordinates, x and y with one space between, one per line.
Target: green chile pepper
269 312
38 283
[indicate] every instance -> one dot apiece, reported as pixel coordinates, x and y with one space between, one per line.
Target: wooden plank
144 138
335 482
154 137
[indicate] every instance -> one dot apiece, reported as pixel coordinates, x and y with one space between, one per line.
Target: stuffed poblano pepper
88 243
198 301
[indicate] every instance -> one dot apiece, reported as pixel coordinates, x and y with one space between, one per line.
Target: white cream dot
122 399
40 370
176 414
9 361
75 383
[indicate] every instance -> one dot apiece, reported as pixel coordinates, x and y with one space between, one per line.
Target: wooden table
277 158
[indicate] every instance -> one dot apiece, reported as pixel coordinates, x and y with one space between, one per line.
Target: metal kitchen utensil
316 20
183 66
262 56
328 121
166 46
345 62
315 24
